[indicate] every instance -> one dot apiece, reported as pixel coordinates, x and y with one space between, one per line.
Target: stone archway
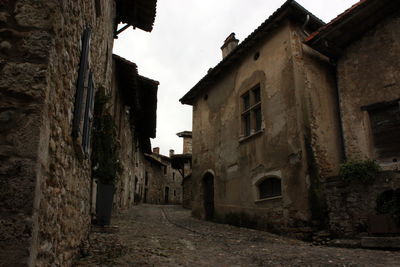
208 195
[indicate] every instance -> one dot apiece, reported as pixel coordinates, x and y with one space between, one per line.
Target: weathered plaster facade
294 83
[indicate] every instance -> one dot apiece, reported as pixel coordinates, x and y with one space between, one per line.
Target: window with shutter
385 127
84 100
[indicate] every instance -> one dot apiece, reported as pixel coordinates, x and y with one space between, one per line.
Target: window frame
84 100
259 179
251 117
273 192
373 113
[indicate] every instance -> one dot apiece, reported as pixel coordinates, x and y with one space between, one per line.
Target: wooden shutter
88 117
385 124
83 69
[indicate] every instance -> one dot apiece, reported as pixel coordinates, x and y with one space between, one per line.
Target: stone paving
152 235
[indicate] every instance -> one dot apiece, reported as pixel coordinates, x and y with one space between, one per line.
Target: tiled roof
289 9
140 93
332 38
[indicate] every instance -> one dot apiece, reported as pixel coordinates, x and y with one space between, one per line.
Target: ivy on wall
363 171
105 162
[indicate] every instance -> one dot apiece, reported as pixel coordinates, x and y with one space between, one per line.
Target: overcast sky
185 43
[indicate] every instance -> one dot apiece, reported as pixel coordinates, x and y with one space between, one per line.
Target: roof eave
286 10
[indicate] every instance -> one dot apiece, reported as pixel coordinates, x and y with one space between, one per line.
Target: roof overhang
349 26
154 159
139 93
289 10
178 161
137 13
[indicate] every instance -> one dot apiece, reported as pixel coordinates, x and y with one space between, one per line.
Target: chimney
171 152
229 45
187 141
156 150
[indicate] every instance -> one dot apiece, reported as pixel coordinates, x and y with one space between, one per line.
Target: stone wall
350 205
187 192
160 176
367 74
45 186
124 193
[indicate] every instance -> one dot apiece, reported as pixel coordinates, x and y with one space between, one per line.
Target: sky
185 43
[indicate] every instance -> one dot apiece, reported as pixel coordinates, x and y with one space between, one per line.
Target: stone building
276 118
134 110
54 56
260 119
183 163
162 184
363 42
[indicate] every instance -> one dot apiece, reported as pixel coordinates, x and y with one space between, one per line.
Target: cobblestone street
151 235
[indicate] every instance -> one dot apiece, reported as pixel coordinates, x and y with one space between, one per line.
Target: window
251 111
173 176
165 169
84 100
385 127
270 187
146 178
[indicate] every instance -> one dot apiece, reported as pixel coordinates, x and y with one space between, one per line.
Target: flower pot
104 203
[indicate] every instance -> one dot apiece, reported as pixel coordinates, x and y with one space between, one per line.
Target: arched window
269 187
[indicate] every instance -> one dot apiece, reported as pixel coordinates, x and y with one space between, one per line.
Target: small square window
270 187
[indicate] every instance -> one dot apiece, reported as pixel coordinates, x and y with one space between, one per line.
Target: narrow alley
155 235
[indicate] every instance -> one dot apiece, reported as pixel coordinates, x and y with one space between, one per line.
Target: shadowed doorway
208 187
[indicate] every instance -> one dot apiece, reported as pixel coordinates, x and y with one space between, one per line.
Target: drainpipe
343 147
303 28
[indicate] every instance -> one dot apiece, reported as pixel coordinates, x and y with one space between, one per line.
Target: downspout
341 135
303 28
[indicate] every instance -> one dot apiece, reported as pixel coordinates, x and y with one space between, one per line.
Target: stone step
392 242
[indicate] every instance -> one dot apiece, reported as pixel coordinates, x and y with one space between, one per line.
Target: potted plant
105 163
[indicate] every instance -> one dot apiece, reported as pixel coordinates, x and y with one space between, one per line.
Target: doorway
166 195
208 192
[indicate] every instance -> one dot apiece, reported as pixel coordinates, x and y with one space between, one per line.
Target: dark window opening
256 55
246 124
270 187
385 126
246 101
146 178
257 118
98 8
165 170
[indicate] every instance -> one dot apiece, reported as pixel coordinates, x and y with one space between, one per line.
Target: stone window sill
245 138
267 199
392 166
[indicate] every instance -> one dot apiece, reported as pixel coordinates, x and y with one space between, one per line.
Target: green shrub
363 171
